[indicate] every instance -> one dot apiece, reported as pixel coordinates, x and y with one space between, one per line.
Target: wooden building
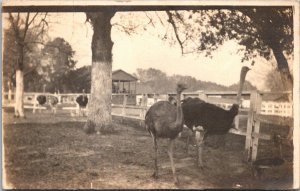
123 82
123 87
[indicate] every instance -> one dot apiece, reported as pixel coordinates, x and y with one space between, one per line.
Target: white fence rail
284 109
253 104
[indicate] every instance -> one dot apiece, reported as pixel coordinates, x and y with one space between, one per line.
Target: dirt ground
52 151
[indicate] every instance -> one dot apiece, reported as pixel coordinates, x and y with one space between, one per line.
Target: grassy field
52 151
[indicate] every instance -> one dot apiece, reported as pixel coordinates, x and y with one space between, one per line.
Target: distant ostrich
213 119
53 101
82 101
41 100
165 120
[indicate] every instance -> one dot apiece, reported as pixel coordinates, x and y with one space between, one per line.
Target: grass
52 151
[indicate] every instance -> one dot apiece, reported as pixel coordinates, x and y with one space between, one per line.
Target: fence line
257 110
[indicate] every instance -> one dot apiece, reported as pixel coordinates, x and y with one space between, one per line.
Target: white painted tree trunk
99 114
19 104
100 102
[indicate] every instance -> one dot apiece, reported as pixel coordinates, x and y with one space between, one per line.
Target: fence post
256 126
252 126
124 105
34 103
9 95
203 96
249 126
77 112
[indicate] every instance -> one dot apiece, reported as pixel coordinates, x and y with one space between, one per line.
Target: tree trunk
283 68
19 105
99 114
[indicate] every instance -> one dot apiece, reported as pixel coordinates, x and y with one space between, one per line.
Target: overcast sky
145 50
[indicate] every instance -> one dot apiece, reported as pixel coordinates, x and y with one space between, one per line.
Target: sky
145 50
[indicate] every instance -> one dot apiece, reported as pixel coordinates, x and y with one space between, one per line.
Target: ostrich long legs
170 153
155 174
200 135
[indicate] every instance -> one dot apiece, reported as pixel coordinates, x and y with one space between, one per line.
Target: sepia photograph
150 94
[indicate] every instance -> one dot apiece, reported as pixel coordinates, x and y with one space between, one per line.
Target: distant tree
154 78
274 82
79 79
25 28
247 86
58 60
162 83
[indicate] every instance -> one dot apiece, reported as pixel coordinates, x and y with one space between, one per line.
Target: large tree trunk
19 105
283 67
99 114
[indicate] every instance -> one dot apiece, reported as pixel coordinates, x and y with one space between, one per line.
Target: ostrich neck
179 114
241 85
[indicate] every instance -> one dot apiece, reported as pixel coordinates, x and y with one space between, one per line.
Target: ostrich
82 101
41 100
213 119
53 102
165 120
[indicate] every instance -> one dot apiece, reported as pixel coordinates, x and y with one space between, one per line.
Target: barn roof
122 76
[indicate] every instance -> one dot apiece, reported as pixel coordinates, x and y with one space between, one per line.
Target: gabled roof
122 76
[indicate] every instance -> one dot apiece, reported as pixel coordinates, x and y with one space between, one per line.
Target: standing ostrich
213 119
165 120
53 101
82 102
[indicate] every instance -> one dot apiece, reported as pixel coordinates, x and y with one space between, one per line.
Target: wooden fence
127 110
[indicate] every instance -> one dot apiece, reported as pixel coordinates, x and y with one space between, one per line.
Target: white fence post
34 103
202 96
124 105
256 126
251 143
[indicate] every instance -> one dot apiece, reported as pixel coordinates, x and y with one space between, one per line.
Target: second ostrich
165 120
213 119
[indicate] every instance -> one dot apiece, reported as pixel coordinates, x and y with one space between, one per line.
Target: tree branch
159 18
150 19
29 23
170 20
127 30
26 25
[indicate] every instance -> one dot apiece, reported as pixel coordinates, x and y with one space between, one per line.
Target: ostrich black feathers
213 119
41 99
82 100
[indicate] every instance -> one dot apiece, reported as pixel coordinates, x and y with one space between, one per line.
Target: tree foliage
261 31
273 81
58 62
31 60
257 29
160 82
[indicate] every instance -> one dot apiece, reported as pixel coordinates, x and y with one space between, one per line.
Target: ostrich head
180 88
245 69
